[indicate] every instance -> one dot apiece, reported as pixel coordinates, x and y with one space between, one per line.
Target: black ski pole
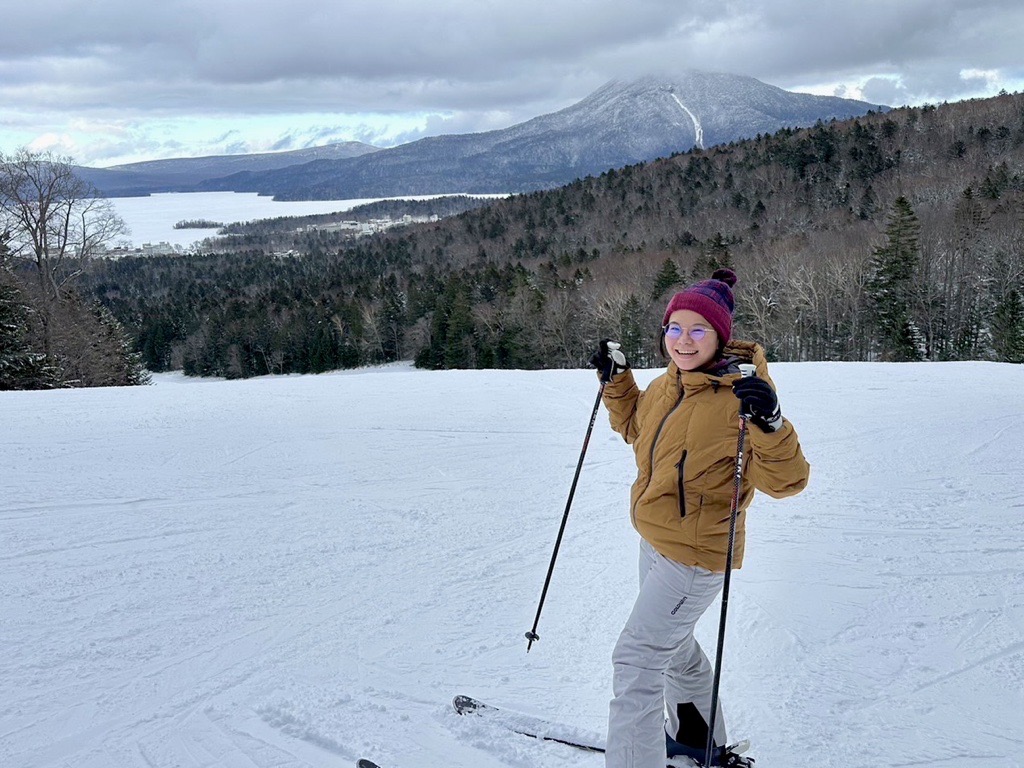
532 635
745 370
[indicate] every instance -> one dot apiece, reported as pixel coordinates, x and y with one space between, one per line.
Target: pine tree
122 365
868 203
20 367
716 254
891 292
668 277
1008 328
633 333
452 330
393 318
460 332
322 349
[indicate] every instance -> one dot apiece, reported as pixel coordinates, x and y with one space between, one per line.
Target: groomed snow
300 571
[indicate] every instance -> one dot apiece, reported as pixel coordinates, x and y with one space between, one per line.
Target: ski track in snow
300 571
698 129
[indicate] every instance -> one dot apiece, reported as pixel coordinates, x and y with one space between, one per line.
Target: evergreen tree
1008 328
115 361
156 338
452 330
20 367
634 333
393 318
868 203
668 277
891 294
322 349
459 336
715 255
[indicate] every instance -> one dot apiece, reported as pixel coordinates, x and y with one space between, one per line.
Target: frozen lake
152 219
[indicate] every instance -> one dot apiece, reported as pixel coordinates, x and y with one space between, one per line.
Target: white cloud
61 144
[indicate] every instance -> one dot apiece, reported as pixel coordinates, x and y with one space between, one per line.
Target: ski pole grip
747 369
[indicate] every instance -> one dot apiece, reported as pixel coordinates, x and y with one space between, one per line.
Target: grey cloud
882 90
464 65
405 54
438 40
227 41
459 122
800 42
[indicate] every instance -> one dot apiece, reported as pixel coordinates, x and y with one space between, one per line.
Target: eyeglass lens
674 331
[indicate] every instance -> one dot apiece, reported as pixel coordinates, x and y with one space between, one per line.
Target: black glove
609 360
758 402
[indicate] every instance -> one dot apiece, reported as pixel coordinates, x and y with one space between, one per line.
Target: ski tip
740 747
464 704
364 763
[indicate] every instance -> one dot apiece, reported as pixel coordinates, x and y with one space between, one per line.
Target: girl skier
684 431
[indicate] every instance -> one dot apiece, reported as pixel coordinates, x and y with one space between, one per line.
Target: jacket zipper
654 444
681 466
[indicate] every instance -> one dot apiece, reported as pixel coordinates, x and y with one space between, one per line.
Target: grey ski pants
658 661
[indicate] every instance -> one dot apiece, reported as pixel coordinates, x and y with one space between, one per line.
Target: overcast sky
111 81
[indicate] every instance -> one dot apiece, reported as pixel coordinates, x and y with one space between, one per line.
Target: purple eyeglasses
697 333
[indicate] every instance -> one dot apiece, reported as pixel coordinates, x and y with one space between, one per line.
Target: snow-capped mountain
621 123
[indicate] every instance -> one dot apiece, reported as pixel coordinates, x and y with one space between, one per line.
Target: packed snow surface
299 571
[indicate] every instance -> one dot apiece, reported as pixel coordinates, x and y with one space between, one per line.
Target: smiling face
687 353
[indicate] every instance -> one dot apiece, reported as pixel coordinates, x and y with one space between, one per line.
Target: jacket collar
725 368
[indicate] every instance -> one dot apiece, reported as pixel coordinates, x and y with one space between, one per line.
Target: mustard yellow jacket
684 430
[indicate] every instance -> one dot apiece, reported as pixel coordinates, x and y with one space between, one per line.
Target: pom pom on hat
710 298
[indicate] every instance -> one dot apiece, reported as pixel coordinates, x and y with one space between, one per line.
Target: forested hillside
896 236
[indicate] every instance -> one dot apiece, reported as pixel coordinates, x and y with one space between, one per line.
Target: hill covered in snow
299 571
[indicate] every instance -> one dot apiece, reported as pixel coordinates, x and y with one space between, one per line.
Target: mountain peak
621 123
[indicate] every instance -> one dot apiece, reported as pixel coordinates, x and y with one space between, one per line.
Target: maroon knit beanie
711 298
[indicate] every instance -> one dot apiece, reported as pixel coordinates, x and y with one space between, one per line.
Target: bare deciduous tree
55 219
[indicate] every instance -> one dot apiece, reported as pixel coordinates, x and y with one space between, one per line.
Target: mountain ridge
619 124
181 173
623 122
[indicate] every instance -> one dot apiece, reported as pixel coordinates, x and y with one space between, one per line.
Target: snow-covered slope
298 571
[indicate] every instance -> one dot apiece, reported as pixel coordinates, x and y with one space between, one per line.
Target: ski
676 762
526 725
544 730
682 756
